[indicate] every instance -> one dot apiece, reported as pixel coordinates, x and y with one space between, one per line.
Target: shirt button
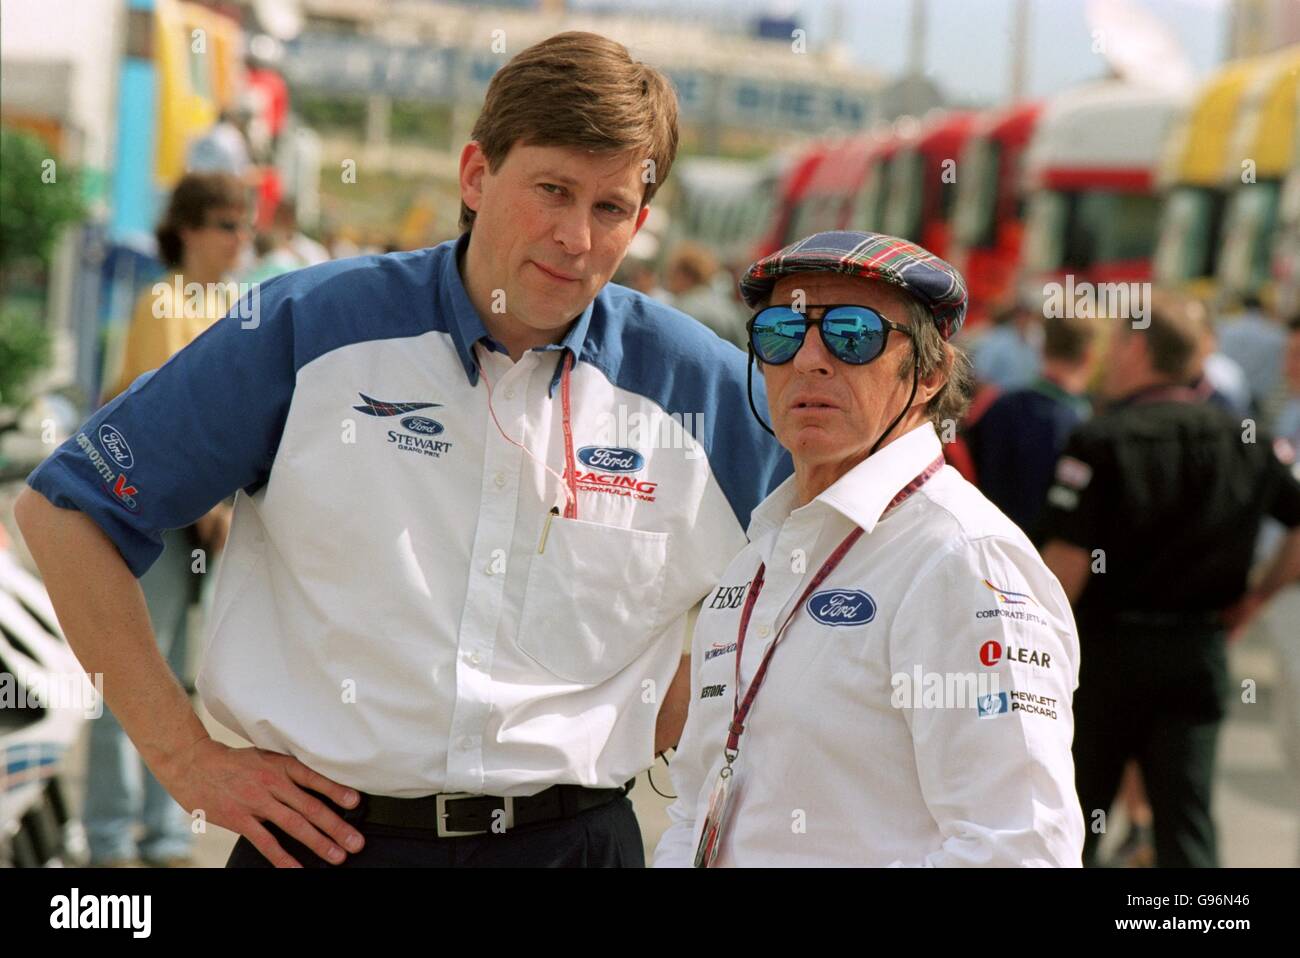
764 631
500 479
467 743
475 658
510 393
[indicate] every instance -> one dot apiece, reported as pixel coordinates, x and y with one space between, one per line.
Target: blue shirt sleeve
661 353
184 436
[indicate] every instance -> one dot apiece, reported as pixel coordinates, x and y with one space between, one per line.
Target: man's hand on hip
241 788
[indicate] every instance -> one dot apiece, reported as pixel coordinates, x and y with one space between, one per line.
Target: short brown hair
1069 337
579 90
694 261
1175 338
195 196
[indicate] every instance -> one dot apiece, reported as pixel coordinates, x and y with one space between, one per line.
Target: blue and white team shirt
383 612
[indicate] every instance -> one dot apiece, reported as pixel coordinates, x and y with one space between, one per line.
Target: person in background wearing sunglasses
200 239
884 674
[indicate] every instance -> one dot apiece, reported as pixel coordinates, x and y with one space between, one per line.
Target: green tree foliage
39 196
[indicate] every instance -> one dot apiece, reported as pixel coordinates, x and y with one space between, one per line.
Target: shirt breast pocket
593 599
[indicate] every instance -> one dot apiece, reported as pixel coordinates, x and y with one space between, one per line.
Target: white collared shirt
916 710
384 611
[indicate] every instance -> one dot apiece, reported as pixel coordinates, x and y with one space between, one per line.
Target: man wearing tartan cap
884 675
871 255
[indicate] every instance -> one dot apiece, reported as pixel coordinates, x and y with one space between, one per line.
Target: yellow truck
1262 155
196 51
1286 244
1191 179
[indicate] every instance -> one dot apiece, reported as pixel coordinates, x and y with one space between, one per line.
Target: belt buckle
440 808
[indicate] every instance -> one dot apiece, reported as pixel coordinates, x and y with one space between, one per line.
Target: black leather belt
460 814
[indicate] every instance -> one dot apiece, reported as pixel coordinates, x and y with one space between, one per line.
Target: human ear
473 165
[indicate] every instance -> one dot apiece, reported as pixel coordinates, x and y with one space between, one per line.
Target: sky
969 41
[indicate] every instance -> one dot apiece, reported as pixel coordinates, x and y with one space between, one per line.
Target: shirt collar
1171 391
467 327
863 492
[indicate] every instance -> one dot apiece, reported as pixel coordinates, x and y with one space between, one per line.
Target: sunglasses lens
778 333
854 334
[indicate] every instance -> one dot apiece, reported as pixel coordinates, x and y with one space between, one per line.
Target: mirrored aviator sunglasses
852 334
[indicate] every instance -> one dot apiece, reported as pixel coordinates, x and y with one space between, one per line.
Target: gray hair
933 353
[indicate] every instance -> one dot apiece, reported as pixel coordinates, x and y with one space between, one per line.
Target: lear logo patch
376 407
991 655
611 459
115 445
842 607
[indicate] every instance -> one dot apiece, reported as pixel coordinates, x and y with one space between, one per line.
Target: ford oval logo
611 458
423 425
842 607
115 445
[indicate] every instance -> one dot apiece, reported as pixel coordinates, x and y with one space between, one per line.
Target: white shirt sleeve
998 775
690 765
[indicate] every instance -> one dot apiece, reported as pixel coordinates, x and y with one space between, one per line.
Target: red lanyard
740 709
570 477
571 470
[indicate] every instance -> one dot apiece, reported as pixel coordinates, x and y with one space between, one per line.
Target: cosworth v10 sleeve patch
183 437
210 420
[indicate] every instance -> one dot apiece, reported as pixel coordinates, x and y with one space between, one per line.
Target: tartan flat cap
929 279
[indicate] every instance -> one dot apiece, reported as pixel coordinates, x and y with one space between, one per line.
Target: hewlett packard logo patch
990 706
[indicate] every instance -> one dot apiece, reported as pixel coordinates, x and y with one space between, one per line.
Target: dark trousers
607 836
1154 694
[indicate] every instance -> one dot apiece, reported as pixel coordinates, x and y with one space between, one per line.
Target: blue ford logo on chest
611 458
842 607
422 425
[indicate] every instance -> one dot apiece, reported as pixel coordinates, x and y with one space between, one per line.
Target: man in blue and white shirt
478 492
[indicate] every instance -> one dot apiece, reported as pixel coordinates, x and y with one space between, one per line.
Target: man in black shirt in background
1150 526
1015 444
